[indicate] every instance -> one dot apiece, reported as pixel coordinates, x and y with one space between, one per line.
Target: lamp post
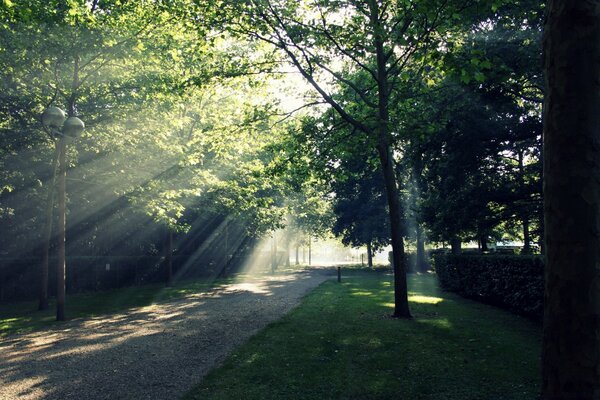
54 121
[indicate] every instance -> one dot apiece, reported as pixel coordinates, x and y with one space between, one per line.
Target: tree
571 344
137 66
377 38
360 210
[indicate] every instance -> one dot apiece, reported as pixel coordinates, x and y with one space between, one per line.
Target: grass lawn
340 344
22 317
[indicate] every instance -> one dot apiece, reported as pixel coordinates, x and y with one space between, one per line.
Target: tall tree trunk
309 250
384 149
61 266
297 251
455 245
484 243
571 339
369 255
287 250
421 262
274 254
526 236
43 289
542 239
524 214
169 257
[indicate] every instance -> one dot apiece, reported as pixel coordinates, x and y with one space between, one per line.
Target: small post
339 274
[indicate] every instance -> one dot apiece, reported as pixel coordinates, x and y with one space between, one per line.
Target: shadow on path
154 352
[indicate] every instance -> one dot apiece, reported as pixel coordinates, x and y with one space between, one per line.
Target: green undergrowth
340 343
22 317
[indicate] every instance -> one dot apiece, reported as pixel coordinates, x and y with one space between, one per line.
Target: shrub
509 281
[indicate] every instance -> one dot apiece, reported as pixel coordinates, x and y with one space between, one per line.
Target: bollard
339 274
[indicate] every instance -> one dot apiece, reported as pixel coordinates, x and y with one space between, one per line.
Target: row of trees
179 138
463 114
427 120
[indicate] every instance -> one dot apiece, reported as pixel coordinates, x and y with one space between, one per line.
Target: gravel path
154 352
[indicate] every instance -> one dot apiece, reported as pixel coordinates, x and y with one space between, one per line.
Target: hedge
508 281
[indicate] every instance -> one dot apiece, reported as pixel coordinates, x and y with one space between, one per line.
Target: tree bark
309 251
526 236
43 289
274 254
384 149
484 243
455 245
421 262
571 339
169 257
297 251
525 216
61 265
287 250
369 255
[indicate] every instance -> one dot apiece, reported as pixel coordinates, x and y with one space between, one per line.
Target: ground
154 352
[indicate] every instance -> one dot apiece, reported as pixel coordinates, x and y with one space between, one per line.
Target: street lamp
54 121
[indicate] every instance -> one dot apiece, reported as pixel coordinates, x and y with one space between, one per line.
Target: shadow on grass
341 343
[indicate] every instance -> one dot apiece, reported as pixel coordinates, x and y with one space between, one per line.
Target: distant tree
360 210
571 344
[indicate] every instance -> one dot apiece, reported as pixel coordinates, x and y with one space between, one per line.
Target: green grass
22 317
341 344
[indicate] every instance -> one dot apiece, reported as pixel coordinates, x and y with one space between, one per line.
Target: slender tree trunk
169 257
542 239
455 245
274 254
571 339
309 250
297 251
43 289
369 255
526 236
287 251
384 149
525 216
61 266
484 243
421 262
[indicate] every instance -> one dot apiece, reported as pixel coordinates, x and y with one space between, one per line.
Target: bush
509 281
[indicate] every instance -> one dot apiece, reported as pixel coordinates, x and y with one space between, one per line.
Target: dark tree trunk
484 243
369 255
43 289
421 259
287 251
60 252
384 149
274 254
455 245
571 340
309 251
526 236
525 215
169 257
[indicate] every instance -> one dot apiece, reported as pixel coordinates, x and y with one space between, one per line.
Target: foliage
513 282
338 344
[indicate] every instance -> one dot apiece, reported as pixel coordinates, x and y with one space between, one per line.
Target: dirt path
154 352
